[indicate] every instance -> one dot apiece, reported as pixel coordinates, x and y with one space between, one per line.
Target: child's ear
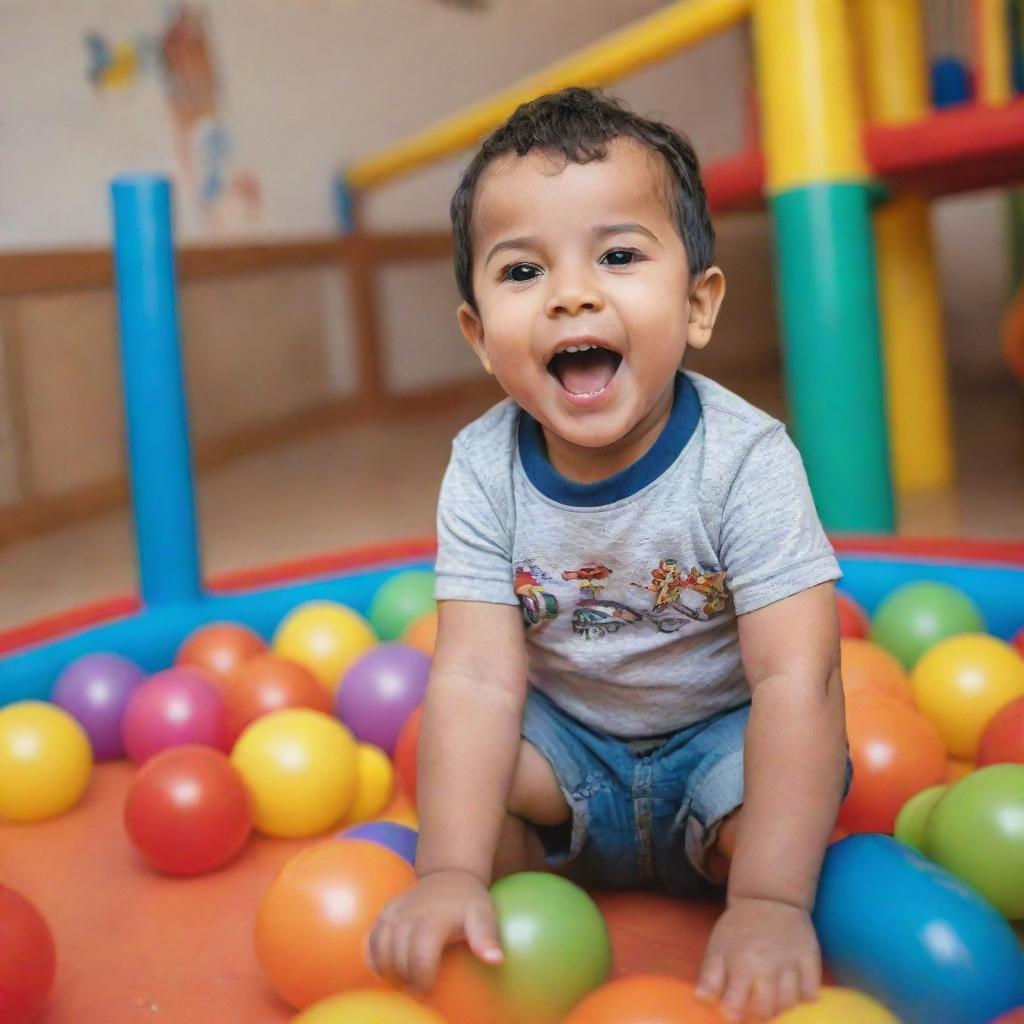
705 302
473 331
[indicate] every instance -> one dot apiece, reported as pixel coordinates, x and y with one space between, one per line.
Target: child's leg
535 798
720 854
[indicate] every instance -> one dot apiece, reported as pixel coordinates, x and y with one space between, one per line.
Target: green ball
555 942
916 616
400 601
976 832
913 816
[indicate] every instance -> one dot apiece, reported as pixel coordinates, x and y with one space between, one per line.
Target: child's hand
762 958
413 930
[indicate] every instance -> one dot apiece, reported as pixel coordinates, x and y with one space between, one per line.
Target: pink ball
171 708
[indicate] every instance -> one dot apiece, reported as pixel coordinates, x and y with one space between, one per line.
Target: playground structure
817 170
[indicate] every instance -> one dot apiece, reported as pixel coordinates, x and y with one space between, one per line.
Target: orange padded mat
133 945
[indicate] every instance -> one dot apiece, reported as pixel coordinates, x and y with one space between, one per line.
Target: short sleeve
772 542
474 547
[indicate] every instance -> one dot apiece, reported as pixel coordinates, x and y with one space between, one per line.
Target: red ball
853 620
188 810
28 959
269 683
1003 738
1011 1017
1018 641
406 750
220 648
896 753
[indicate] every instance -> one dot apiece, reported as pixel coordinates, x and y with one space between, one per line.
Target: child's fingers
377 950
789 989
763 996
712 978
424 953
810 976
482 932
737 993
401 944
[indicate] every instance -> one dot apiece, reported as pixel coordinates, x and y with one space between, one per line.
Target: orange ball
896 753
645 999
957 770
314 918
1003 739
267 683
853 620
465 993
421 633
866 667
220 648
406 750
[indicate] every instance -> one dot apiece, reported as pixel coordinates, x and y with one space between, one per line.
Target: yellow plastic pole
649 41
811 123
920 423
992 52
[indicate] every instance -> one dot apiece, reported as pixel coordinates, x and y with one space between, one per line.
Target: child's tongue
583 373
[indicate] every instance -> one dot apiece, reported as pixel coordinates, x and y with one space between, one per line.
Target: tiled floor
360 485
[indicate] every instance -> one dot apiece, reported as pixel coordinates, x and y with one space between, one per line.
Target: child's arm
763 952
469 746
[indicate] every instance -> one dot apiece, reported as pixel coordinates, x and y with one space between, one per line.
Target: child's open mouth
585 371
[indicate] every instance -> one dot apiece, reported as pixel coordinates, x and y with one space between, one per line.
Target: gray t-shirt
630 586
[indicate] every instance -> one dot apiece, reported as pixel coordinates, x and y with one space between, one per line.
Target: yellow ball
326 638
838 1006
368 1006
962 682
300 768
45 761
376 784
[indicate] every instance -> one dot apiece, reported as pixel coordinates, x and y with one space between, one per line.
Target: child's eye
622 257
518 272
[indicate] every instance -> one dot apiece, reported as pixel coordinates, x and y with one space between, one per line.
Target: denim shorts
644 813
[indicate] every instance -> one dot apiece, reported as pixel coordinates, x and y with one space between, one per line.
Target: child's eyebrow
528 241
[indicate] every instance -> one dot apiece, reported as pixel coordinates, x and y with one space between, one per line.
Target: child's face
584 255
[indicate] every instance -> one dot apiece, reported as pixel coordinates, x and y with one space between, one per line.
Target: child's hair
578 123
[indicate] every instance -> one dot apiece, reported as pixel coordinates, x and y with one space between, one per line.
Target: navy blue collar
682 422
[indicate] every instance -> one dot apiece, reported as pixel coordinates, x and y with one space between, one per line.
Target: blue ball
910 934
399 839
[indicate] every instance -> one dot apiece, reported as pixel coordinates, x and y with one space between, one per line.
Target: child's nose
572 295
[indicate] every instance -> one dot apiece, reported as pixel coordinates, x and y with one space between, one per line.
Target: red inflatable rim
380 555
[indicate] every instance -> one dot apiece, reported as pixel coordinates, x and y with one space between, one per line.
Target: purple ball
95 690
379 692
179 705
399 839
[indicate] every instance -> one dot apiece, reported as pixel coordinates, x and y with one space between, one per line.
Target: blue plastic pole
154 393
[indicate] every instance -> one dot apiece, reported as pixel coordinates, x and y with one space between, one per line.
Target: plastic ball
912 936
1002 741
300 767
401 811
220 648
326 638
1017 641
962 683
645 999
314 918
916 616
399 602
267 683
957 770
421 633
177 706
853 620
1015 1016
896 752
394 837
45 761
95 690
379 692
368 1006
375 784
555 944
28 958
913 816
867 668
838 1006
406 753
976 832
188 810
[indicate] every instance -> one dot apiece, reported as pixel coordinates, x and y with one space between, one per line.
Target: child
672 713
